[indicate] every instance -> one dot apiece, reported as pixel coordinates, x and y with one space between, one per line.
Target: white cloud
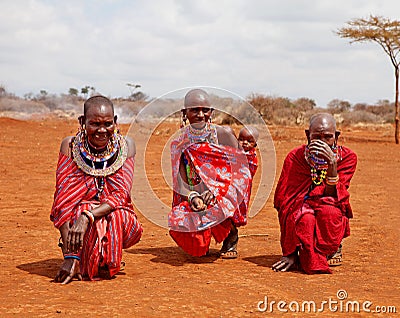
286 48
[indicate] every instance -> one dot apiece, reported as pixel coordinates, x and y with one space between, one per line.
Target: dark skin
321 136
247 139
198 112
99 123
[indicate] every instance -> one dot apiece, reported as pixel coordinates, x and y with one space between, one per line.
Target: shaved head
323 127
251 130
197 97
96 101
322 118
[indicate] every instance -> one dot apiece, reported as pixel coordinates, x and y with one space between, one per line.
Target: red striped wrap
107 236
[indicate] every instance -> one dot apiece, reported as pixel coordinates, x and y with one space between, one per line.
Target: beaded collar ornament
318 165
112 148
206 134
116 145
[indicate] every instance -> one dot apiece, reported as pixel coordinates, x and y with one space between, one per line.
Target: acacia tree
85 91
386 33
73 91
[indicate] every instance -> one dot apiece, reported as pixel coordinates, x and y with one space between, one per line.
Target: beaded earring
183 121
82 126
81 130
210 118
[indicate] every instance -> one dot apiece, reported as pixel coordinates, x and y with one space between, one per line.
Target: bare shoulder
65 146
226 138
131 146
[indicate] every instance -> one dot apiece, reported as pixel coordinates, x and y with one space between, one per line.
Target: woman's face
198 109
198 115
100 124
323 130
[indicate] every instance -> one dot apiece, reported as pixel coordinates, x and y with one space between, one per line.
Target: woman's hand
208 197
69 269
76 234
197 204
322 150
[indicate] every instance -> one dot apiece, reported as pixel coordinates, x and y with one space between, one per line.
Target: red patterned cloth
107 236
224 171
310 222
252 160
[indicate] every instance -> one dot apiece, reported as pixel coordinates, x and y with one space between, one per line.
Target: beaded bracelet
332 180
89 215
192 195
73 256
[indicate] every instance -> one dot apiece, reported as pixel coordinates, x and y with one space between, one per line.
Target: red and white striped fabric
107 236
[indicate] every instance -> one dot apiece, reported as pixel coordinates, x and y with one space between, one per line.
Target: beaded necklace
99 181
318 165
112 148
206 134
317 178
119 148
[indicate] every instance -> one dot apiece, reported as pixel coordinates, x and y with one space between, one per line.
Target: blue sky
281 48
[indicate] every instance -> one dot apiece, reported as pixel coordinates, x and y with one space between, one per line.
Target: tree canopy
386 33
380 30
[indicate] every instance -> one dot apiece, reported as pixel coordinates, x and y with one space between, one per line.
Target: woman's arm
70 266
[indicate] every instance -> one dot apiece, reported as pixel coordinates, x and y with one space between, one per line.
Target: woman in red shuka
211 182
312 199
92 204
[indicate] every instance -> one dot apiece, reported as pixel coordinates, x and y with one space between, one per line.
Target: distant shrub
272 109
22 106
359 116
380 110
281 110
337 106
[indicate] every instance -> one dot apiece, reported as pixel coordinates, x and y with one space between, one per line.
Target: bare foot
285 263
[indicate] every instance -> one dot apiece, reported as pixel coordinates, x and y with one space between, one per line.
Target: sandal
229 247
122 268
336 259
231 253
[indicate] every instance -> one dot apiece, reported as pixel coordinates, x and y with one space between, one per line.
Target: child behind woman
248 136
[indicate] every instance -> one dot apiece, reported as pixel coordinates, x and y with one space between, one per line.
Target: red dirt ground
160 279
